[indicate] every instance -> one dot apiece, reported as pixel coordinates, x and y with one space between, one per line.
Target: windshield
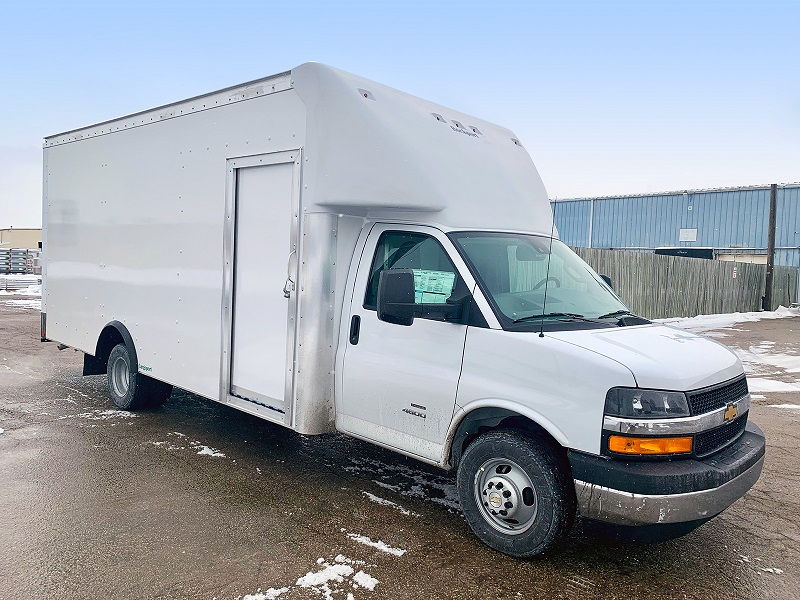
513 270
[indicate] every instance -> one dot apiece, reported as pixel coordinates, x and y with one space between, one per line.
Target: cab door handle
355 329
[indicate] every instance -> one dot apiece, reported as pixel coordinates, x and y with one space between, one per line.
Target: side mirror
396 296
607 279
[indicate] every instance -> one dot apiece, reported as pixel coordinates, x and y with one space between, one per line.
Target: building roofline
679 192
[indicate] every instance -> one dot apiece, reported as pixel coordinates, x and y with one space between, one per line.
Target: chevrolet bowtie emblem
730 412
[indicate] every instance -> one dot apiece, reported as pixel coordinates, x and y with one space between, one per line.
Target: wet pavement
197 500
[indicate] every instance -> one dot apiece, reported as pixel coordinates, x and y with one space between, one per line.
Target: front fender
505 409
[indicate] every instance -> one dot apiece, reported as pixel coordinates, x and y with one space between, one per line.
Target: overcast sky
608 97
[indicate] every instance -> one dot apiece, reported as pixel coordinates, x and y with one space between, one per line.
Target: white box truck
331 254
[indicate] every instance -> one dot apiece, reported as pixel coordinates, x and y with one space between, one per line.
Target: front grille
710 441
714 397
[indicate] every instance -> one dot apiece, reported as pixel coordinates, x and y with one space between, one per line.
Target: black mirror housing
396 296
607 279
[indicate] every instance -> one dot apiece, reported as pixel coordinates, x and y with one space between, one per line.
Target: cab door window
435 276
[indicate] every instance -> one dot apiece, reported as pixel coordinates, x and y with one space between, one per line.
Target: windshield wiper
552 314
616 313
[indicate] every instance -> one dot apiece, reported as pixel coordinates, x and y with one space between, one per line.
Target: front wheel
129 389
516 493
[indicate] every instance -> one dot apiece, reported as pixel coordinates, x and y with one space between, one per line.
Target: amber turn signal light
643 445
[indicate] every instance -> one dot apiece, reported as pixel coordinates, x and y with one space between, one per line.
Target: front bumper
678 491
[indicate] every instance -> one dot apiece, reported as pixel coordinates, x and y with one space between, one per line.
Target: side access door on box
260 303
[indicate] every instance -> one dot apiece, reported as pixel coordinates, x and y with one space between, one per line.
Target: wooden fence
658 286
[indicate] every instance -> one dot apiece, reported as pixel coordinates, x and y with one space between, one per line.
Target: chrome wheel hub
120 376
506 495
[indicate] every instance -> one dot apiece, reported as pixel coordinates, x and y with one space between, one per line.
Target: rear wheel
129 389
516 493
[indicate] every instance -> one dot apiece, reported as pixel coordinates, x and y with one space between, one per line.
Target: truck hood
659 356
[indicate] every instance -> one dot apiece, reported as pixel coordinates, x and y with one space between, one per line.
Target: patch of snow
336 572
329 581
757 396
378 545
758 360
364 580
394 505
168 446
789 406
34 304
2 430
269 594
702 323
761 384
207 450
200 448
774 570
31 290
341 558
102 415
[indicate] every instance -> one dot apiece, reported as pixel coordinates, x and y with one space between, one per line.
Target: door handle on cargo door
288 287
355 329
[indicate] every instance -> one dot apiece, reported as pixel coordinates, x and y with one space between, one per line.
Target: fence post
766 303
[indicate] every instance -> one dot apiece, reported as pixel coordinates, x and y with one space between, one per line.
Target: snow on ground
269 594
394 505
787 406
32 304
182 444
330 580
102 415
761 384
31 290
206 450
34 290
378 545
703 323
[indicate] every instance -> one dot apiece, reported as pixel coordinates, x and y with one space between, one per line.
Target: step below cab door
398 384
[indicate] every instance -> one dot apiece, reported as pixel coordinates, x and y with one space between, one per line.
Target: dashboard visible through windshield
515 273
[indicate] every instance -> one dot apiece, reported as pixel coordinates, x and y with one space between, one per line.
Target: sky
608 97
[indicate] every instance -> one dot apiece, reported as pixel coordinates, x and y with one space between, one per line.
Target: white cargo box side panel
135 224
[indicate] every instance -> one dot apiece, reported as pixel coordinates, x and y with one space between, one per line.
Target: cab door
399 383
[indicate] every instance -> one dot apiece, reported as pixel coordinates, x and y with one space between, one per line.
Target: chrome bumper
625 508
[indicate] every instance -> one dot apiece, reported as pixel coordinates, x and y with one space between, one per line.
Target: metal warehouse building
730 222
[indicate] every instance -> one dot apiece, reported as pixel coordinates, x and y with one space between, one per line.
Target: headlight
645 404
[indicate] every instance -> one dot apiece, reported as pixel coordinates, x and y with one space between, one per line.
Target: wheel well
114 333
486 419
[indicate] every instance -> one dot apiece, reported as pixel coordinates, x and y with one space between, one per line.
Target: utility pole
766 303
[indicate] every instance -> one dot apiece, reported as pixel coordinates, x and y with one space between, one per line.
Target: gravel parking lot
197 500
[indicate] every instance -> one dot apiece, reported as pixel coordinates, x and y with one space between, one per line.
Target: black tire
545 467
129 389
